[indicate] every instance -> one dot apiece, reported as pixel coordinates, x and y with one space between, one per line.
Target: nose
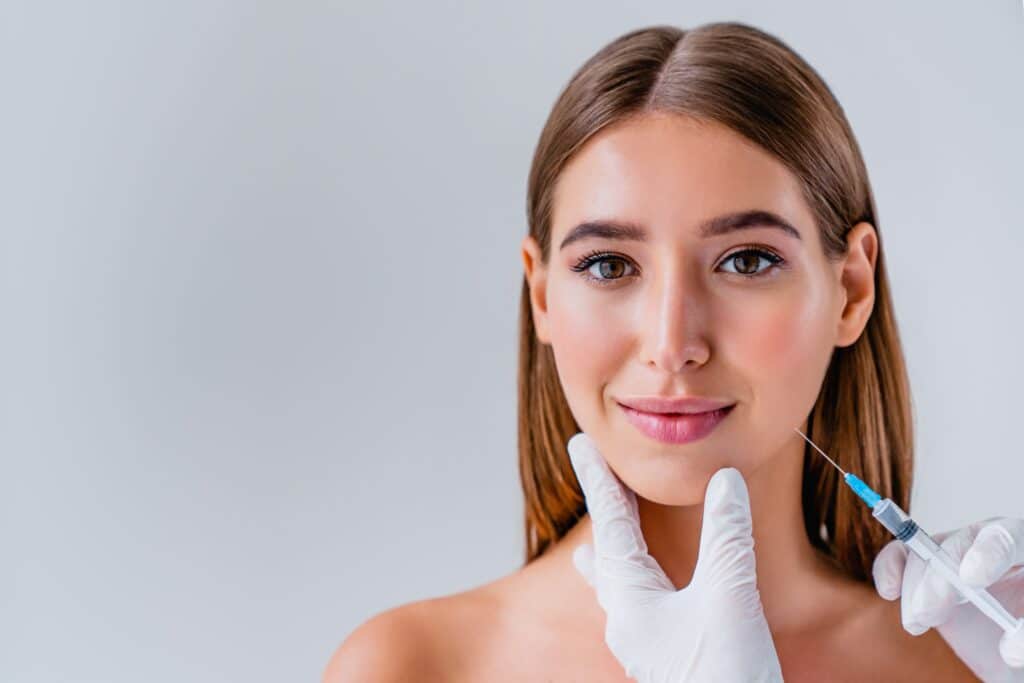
675 321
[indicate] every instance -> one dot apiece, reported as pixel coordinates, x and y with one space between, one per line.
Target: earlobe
536 279
858 282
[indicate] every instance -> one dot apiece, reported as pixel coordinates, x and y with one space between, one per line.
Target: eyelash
586 261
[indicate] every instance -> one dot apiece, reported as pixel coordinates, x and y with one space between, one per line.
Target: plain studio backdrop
260 274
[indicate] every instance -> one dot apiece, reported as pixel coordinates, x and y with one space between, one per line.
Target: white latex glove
986 552
713 629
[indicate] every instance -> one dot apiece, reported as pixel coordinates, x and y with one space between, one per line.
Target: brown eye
610 268
746 261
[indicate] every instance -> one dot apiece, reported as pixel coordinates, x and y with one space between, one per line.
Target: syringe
924 546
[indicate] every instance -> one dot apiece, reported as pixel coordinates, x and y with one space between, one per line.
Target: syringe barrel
892 517
924 546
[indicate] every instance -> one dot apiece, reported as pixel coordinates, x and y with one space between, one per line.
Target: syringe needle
820 451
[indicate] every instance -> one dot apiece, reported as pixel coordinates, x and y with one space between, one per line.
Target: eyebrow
720 225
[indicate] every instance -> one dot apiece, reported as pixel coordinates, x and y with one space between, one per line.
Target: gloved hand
986 552
713 629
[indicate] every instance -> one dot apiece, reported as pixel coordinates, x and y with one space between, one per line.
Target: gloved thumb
583 560
726 556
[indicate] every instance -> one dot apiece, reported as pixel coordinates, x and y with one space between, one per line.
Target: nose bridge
675 318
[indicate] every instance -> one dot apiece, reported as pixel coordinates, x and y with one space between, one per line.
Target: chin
669 481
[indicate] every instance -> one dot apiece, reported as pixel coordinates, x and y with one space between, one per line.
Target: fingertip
915 629
888 569
575 440
888 591
910 623
989 557
1011 647
725 481
886 594
581 457
731 473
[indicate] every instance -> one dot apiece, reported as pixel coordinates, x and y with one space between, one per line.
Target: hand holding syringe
905 529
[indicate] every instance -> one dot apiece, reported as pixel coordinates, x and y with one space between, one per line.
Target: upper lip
664 404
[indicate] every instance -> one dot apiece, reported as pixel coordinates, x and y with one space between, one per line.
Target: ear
857 280
536 278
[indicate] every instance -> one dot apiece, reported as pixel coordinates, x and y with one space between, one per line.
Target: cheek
590 341
782 346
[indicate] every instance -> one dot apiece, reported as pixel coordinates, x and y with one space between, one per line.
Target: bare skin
677 314
543 623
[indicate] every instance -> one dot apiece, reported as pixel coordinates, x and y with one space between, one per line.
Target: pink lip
676 428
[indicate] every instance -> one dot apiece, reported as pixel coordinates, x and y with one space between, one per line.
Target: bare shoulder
389 647
520 626
860 637
426 640
904 656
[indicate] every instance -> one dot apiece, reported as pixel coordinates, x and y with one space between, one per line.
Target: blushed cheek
778 345
587 339
785 352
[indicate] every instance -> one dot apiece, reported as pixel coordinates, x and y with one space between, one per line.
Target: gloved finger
583 560
890 564
888 568
726 555
934 597
1011 648
619 545
911 578
999 545
616 530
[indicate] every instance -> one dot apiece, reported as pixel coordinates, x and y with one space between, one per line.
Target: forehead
672 172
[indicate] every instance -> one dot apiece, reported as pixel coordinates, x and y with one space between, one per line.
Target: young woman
702 239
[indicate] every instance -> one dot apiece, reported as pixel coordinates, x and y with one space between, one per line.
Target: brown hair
752 82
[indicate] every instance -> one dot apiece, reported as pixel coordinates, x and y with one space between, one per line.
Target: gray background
259 286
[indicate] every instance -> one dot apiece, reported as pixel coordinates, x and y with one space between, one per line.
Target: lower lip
676 428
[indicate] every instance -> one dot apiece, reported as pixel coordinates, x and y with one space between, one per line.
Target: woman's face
680 313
